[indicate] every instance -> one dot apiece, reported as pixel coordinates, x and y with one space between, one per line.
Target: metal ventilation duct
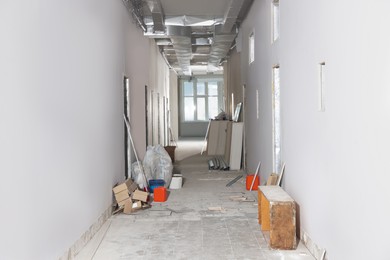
198 42
231 15
157 15
220 46
134 7
181 40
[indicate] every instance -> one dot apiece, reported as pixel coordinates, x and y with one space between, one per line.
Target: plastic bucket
249 180
176 182
160 194
155 183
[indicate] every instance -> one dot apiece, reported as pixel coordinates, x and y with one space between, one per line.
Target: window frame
219 82
275 22
251 42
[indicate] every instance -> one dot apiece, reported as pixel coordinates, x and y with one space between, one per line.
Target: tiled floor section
184 228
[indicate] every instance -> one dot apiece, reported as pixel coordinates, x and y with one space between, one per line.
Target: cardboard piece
140 195
131 206
122 195
128 206
129 198
123 186
123 191
136 205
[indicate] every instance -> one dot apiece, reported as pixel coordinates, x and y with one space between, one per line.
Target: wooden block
278 215
283 225
265 217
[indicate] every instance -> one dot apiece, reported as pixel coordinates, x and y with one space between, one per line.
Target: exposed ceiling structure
194 36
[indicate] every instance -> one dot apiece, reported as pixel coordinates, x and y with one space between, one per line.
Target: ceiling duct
231 15
225 34
220 46
181 40
157 15
135 7
187 41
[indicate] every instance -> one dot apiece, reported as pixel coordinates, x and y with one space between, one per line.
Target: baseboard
87 236
315 250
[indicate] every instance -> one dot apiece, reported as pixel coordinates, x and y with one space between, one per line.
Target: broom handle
254 178
135 152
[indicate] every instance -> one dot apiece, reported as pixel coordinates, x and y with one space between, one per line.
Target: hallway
199 221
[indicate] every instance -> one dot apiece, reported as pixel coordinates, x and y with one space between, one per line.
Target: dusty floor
184 227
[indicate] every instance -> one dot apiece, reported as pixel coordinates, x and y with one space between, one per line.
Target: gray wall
193 129
336 161
61 103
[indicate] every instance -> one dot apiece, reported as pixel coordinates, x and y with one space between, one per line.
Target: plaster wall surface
335 160
61 104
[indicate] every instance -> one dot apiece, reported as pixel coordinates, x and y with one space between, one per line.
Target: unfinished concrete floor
184 227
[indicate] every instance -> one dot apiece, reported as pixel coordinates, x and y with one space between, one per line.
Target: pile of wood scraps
129 198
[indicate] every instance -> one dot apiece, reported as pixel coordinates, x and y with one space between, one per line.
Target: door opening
126 111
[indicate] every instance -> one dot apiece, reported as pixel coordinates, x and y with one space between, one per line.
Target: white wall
61 134
137 69
335 160
232 77
174 104
159 83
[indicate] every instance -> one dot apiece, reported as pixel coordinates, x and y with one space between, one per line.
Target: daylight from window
201 99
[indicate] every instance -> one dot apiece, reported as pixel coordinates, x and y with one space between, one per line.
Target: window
275 20
251 47
276 127
201 99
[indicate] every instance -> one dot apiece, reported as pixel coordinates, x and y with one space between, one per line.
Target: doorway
126 112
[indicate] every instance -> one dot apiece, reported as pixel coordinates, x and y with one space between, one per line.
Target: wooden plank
236 146
228 142
272 179
212 139
222 131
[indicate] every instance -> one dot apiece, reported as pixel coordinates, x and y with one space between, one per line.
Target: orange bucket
160 194
249 180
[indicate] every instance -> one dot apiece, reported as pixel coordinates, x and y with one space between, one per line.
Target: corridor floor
198 221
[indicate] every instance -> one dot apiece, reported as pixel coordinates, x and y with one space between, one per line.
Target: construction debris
216 209
218 163
234 181
129 198
241 199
